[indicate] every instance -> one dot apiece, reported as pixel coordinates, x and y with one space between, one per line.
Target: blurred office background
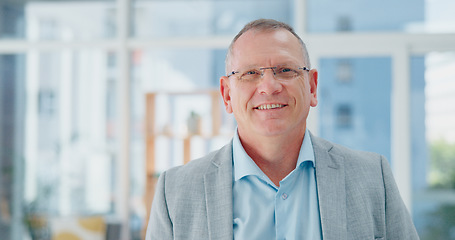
80 144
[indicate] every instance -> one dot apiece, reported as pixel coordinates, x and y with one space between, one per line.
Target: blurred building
355 93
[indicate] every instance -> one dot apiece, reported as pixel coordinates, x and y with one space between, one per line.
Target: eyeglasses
281 72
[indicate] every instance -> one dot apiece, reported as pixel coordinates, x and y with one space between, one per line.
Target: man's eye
286 70
251 72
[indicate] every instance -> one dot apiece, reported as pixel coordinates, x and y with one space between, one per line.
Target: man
275 180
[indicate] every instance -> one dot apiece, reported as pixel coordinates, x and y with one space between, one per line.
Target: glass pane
405 16
389 15
184 120
57 20
439 16
354 102
155 18
65 135
12 97
433 146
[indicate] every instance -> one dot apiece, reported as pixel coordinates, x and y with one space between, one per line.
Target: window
344 116
344 71
73 75
433 150
344 24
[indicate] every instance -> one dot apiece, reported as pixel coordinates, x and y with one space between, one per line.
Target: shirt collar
244 165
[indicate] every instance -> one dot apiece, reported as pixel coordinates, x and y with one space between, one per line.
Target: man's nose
268 84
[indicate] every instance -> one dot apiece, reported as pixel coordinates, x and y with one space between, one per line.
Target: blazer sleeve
399 224
160 225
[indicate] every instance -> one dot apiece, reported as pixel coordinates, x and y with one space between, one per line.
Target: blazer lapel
330 180
218 192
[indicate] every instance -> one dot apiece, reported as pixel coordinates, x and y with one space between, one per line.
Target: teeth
270 106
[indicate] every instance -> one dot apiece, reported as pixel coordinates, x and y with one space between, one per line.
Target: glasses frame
262 69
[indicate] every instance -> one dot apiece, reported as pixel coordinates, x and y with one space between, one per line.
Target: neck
277 155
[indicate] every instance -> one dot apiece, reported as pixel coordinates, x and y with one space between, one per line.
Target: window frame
399 46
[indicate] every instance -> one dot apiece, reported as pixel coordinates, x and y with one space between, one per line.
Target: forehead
266 48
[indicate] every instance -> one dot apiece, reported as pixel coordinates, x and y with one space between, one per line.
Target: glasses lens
286 73
251 75
283 73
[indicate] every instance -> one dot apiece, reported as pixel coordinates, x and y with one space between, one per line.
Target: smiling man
275 180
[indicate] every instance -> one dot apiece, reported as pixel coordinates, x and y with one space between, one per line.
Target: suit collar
330 180
218 192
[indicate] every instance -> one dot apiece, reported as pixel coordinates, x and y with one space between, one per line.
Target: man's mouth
269 106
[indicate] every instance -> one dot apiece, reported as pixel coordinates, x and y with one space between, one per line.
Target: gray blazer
358 197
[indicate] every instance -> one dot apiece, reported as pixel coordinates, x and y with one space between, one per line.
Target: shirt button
284 196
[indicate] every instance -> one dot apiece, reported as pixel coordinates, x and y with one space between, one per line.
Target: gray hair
266 25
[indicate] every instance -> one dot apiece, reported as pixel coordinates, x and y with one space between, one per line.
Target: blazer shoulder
348 154
355 162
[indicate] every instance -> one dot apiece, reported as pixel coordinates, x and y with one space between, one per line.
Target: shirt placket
282 208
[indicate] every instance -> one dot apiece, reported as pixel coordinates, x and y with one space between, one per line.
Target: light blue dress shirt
264 211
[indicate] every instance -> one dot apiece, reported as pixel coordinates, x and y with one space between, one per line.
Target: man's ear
226 93
313 74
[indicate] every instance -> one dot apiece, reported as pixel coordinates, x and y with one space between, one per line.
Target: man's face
249 100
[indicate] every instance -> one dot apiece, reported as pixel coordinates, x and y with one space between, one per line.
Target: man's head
263 98
266 25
